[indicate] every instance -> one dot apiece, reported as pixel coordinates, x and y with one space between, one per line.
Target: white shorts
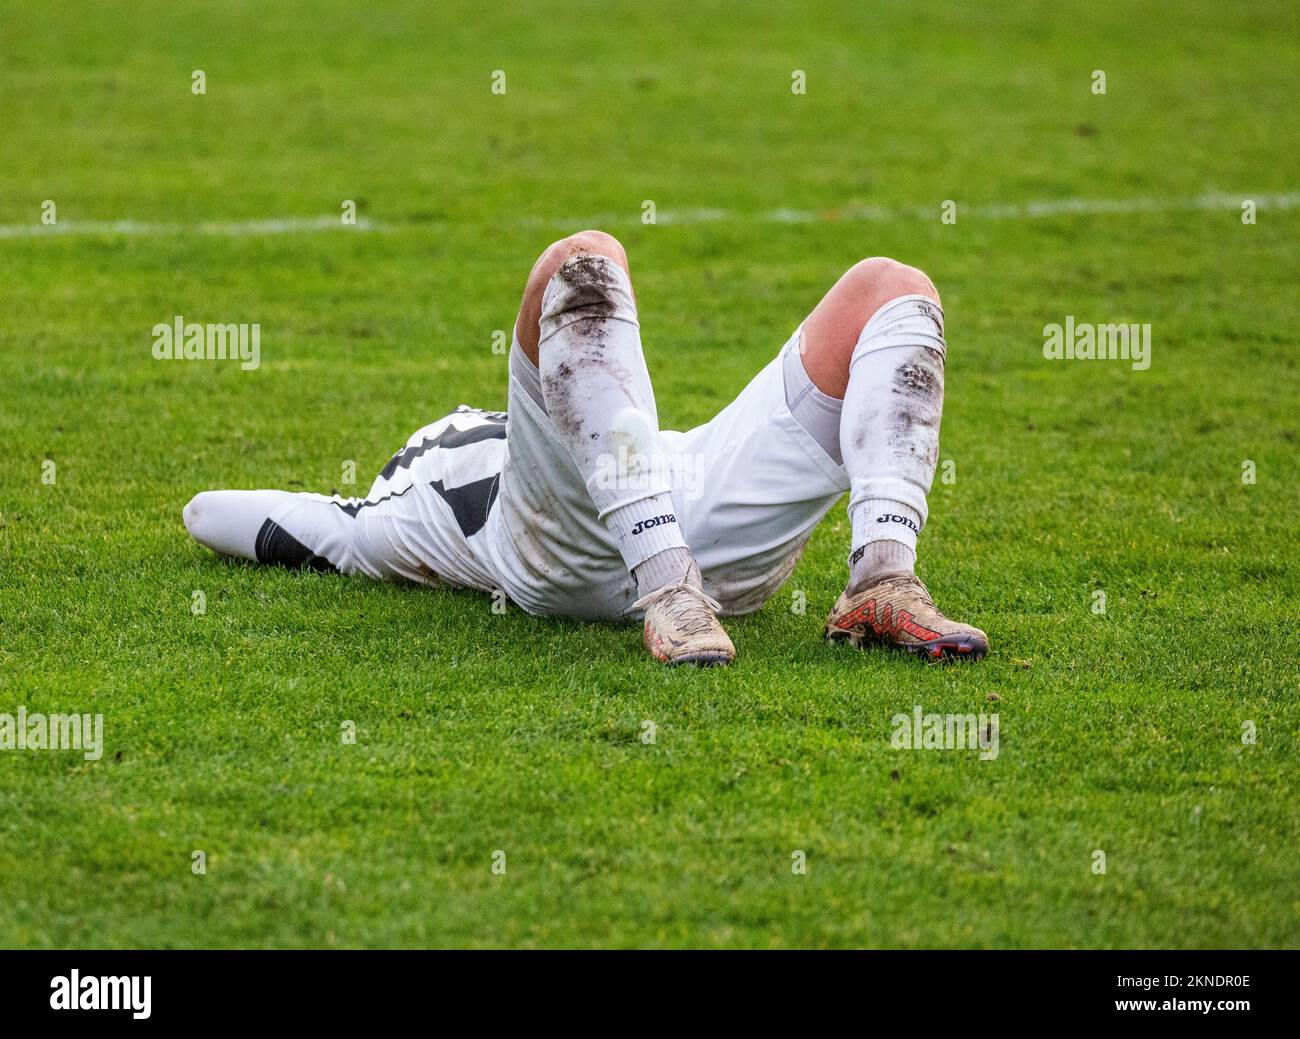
749 486
482 501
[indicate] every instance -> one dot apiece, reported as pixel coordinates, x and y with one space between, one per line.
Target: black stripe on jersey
491 416
276 546
353 507
449 437
470 503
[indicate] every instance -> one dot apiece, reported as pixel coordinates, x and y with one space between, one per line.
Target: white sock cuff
905 321
879 519
645 528
586 286
891 491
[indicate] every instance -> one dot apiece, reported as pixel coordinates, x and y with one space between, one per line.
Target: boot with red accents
895 610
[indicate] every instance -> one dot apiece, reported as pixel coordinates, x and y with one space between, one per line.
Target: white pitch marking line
1034 210
231 228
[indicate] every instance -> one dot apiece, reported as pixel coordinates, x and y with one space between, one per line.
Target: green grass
1120 733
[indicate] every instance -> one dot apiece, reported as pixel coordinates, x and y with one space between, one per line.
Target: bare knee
873 282
590 242
600 242
832 330
555 255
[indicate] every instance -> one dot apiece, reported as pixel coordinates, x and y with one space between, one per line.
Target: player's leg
876 342
276 527
582 364
316 531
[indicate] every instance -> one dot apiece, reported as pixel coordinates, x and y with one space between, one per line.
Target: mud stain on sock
590 298
592 284
917 406
557 392
591 301
917 379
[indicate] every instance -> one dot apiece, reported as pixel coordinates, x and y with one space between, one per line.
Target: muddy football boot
681 624
897 611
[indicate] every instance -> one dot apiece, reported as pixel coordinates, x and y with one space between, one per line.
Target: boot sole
959 647
701 660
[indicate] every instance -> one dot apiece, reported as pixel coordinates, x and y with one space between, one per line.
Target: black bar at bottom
609 989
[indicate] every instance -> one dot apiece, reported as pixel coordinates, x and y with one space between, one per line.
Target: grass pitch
1120 732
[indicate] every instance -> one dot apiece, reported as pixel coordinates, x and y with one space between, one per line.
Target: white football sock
228 522
598 395
871 561
889 431
288 528
666 567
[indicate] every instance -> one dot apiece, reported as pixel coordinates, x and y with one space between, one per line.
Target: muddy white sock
889 431
666 567
597 393
870 562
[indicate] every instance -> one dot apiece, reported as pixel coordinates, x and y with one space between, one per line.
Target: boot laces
691 610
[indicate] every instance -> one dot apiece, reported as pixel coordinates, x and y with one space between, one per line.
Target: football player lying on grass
580 506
